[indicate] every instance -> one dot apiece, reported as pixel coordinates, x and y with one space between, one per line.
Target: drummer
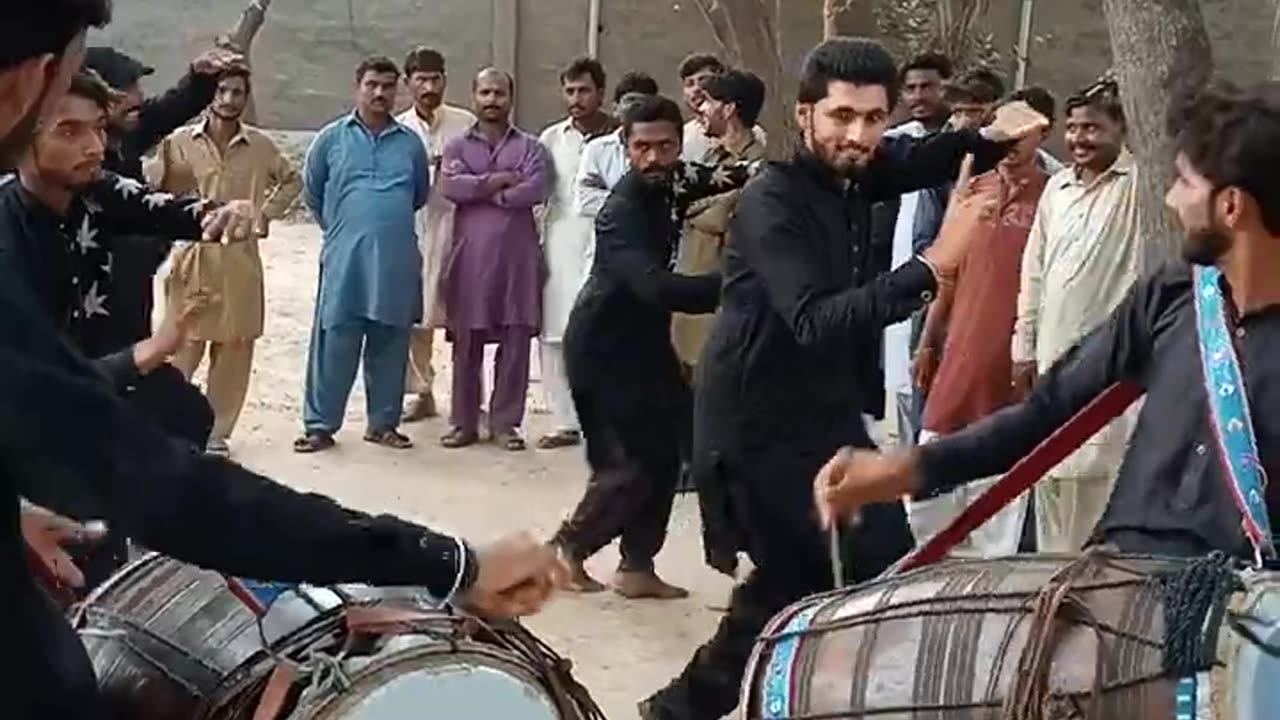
1189 484
59 413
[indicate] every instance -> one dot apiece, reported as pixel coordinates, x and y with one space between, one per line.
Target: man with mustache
496 174
792 363
567 239
222 159
628 387
60 412
366 177
438 123
1199 335
1085 251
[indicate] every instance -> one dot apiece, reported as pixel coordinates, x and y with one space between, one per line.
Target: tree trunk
848 17
746 32
1157 46
1275 42
241 38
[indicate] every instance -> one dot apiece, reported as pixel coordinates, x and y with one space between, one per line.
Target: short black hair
29 29
854 60
1232 137
423 59
585 66
240 71
742 88
653 108
88 85
377 64
980 85
1040 100
1103 96
698 62
634 81
935 61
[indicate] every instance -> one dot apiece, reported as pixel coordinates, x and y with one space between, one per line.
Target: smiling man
792 362
1084 253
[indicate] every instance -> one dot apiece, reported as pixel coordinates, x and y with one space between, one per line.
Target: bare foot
578 580
646 585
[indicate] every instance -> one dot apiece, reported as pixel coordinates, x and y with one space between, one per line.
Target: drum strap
1229 411
276 693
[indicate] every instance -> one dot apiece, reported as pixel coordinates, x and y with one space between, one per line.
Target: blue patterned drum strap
1185 701
777 682
1229 408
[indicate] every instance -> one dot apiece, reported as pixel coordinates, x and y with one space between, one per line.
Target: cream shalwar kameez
1084 252
435 232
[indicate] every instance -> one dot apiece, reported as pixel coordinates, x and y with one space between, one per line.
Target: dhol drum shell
164 636
1063 636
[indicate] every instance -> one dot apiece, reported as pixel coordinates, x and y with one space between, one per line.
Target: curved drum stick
1021 477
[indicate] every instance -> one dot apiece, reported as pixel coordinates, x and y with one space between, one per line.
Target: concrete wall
307 50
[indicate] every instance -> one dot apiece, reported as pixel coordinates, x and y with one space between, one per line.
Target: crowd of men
698 313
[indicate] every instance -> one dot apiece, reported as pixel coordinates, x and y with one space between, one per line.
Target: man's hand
172 334
47 533
973 204
218 60
924 366
230 223
856 478
1024 378
499 181
517 575
1014 121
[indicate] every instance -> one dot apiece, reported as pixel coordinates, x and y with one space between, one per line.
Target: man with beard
789 368
496 174
222 159
567 240
366 176
1085 251
65 223
627 384
136 125
730 108
693 71
1199 336
60 413
438 124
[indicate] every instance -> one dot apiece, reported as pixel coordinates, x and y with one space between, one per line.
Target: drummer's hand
46 533
516 577
856 478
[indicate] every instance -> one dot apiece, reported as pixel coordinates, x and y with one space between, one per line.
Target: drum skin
952 641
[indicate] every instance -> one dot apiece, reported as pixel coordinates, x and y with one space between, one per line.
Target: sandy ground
622 650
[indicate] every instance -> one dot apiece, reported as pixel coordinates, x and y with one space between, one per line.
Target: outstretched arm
132 208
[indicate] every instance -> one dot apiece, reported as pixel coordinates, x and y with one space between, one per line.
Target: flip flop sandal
313 442
389 439
459 439
557 440
510 442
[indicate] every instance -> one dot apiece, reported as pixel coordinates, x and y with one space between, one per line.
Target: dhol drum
172 641
1029 638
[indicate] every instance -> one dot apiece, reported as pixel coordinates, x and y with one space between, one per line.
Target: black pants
792 562
634 455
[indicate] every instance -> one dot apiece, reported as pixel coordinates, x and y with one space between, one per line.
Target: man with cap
136 125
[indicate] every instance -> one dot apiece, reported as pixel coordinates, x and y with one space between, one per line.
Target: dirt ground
621 650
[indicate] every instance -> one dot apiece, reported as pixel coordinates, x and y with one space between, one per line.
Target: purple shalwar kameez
493 276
